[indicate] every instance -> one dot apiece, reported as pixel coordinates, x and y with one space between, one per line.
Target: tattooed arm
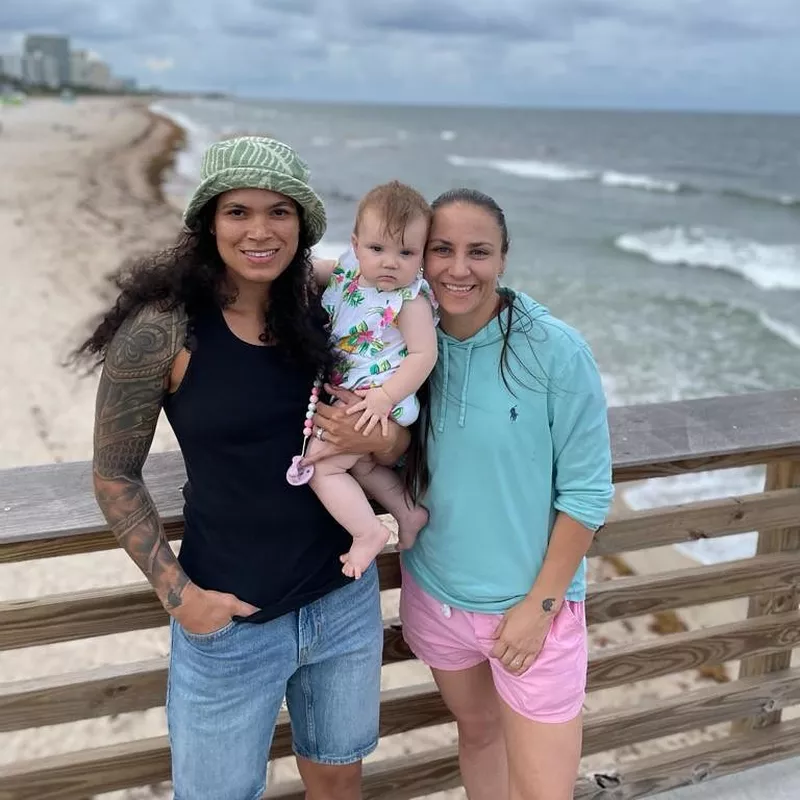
129 398
132 386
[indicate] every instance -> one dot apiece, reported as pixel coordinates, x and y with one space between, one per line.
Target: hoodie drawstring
446 371
462 412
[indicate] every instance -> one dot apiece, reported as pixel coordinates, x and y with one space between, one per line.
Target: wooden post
780 475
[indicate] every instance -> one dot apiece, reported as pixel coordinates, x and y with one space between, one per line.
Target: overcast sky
697 54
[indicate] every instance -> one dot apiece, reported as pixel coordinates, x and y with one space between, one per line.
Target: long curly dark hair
191 274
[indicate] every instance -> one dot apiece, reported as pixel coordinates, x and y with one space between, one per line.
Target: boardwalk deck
780 781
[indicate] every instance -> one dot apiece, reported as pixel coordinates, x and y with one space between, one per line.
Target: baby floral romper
366 337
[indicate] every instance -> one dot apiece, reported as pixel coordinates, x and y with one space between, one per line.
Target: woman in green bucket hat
225 333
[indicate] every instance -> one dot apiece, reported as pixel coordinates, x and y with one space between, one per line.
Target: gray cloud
91 19
300 8
455 17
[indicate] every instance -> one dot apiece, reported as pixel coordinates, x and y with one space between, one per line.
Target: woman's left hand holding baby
339 432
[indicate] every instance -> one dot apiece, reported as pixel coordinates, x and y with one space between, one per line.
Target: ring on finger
320 433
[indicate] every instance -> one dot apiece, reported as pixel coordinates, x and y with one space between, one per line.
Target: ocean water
671 241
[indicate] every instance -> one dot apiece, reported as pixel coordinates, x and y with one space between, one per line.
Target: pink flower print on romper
387 317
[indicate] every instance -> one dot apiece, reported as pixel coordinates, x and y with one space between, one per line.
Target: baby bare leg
383 485
341 494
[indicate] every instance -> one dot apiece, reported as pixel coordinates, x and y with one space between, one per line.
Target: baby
383 324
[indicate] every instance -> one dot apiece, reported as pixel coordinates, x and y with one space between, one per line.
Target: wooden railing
50 511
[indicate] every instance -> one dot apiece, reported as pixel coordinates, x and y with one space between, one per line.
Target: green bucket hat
256 162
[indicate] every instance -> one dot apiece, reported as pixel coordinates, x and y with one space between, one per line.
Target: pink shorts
551 690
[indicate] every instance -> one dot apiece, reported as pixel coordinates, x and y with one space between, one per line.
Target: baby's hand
375 407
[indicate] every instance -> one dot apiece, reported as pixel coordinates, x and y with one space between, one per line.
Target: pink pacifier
297 475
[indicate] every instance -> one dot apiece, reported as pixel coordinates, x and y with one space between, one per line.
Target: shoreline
94 172
171 143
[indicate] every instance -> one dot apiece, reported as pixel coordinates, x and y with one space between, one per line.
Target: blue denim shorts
225 691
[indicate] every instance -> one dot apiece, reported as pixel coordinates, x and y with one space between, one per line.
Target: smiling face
257 233
464 259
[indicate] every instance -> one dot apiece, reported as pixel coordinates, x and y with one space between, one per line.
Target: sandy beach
79 193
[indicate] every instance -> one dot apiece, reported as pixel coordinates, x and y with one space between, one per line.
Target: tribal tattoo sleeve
129 398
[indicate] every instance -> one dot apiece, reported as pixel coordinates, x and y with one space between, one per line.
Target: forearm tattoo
129 398
547 604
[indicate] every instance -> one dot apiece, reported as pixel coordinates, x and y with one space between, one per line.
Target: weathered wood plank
112 690
694 435
43 502
74 776
39 501
16 634
70 544
692 765
648 594
693 649
780 475
687 522
630 530
64 617
99 612
618 727
663 656
778 780
100 692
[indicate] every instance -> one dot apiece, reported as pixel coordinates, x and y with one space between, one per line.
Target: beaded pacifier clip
297 475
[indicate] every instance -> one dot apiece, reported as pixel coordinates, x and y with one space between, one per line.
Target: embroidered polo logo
512 412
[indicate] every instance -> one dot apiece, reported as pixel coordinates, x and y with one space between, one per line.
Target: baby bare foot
364 551
413 521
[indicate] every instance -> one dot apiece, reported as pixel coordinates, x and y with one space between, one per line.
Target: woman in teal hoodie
512 459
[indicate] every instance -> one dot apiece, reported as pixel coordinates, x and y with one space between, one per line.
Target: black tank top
238 416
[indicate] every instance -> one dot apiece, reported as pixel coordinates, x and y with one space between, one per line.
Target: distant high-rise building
11 65
79 62
99 75
39 69
55 48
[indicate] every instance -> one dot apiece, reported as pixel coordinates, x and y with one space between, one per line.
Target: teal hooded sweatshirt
505 459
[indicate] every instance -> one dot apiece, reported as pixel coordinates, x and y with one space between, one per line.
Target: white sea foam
624 181
781 329
555 171
611 389
362 144
541 170
756 195
198 137
764 265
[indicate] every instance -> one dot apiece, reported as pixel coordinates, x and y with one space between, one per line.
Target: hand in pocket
203 611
